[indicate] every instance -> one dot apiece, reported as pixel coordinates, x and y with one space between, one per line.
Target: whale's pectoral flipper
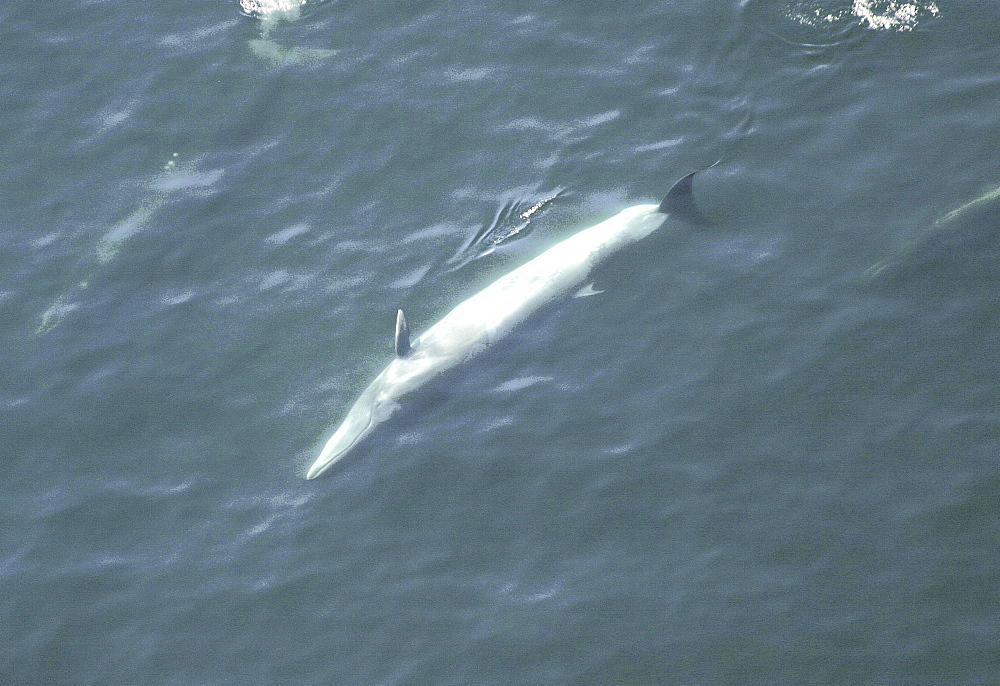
402 335
679 202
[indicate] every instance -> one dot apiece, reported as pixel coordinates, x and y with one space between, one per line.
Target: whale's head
429 357
358 423
375 405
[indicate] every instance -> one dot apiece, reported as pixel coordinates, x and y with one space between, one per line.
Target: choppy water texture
764 453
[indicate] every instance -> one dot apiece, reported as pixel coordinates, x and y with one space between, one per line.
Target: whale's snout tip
319 466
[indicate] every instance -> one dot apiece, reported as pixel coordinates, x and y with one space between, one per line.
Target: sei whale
487 316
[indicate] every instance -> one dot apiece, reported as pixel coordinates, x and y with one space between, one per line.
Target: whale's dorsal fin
679 202
402 335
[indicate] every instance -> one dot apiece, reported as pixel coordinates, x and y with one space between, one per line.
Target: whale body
961 244
477 323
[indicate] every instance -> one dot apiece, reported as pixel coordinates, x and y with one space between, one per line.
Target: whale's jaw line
328 457
341 443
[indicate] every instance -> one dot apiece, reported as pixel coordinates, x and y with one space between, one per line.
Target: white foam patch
746 253
528 124
16 402
275 279
193 37
411 279
114 119
183 180
521 383
285 280
659 145
431 232
288 8
881 15
516 592
469 74
177 298
896 16
409 438
602 118
282 237
47 239
500 423
621 449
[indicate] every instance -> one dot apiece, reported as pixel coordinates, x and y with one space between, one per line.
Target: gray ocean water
765 453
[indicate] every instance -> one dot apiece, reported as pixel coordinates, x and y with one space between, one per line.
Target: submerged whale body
960 247
487 316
